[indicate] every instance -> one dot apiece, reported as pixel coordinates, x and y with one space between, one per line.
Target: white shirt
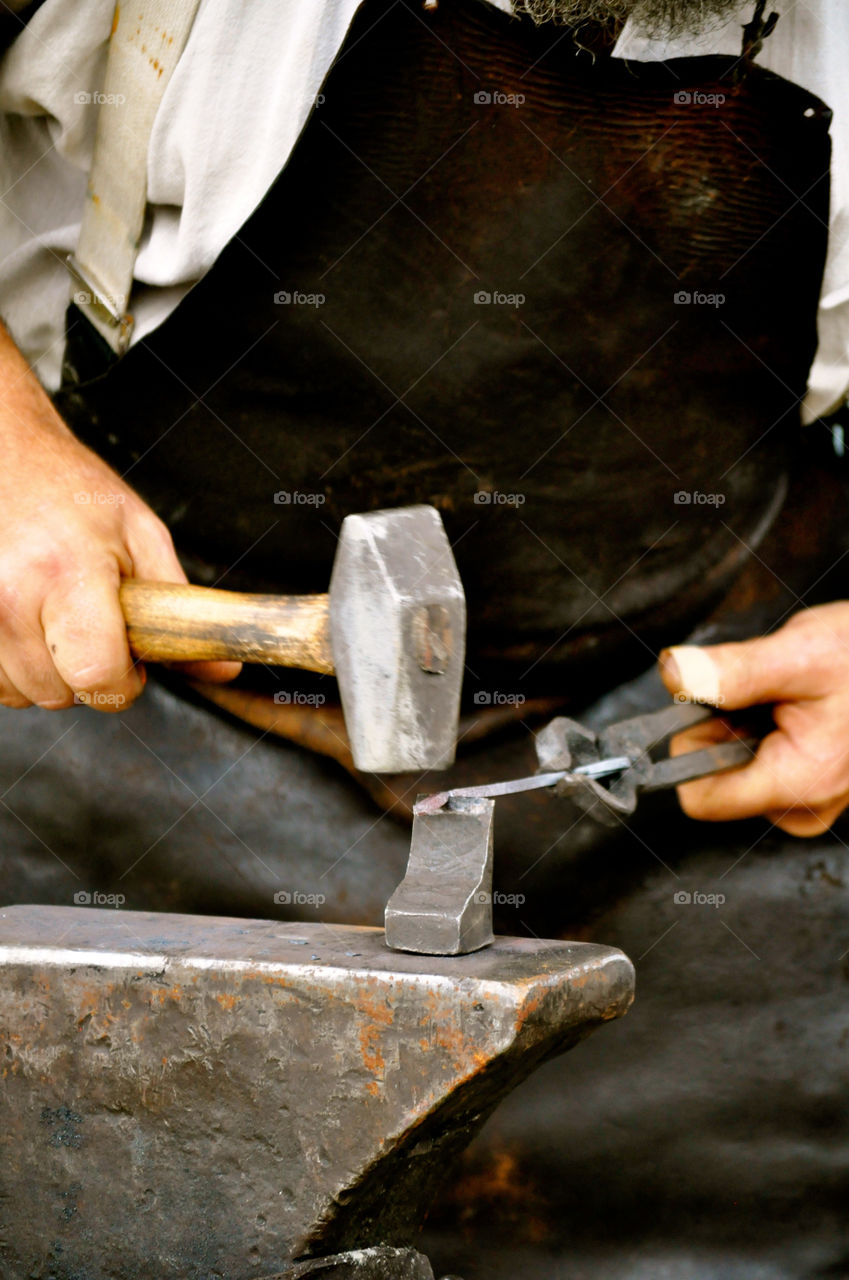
228 121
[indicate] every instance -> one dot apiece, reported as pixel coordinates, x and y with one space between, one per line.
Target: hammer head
398 630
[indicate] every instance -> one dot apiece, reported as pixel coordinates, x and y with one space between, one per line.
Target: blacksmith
576 272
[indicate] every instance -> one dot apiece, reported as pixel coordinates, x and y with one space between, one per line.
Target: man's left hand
799 776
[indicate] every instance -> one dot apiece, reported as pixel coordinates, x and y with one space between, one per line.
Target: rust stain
174 993
529 1007
115 18
445 1031
376 1006
227 1000
499 1192
371 1051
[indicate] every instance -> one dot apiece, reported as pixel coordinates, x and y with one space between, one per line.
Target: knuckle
153 532
26 581
11 602
822 641
818 785
801 618
56 702
106 685
818 794
100 677
14 701
803 826
31 562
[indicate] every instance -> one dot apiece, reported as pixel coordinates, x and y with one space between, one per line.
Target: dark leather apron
664 226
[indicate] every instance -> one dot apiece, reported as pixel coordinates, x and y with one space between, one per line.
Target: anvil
187 1096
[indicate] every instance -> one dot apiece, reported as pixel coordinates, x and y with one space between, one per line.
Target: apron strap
144 49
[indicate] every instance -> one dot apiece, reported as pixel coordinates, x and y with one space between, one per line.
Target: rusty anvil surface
197 1097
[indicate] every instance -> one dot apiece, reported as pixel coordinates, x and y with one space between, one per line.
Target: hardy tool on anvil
443 906
391 628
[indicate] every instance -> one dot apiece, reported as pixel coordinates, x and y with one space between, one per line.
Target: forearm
27 414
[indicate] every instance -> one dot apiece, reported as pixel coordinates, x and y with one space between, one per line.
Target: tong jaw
566 744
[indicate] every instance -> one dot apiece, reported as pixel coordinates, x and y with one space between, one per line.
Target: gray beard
651 17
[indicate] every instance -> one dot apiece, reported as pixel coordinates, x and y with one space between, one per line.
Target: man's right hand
70 530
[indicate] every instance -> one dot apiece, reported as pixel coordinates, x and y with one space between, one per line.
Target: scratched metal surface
196 1097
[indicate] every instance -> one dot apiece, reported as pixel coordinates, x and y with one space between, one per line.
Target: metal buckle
94 299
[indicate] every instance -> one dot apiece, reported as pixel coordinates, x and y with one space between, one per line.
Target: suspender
145 46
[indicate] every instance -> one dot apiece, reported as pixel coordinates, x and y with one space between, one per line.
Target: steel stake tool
443 906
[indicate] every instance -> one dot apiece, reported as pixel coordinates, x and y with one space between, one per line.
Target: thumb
152 549
774 668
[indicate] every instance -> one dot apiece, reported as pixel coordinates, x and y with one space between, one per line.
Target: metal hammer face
398 626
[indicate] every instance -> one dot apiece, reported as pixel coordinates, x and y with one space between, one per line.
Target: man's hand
70 529
799 777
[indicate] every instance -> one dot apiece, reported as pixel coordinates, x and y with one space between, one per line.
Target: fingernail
669 669
693 671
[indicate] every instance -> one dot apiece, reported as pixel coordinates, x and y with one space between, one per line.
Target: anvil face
186 1095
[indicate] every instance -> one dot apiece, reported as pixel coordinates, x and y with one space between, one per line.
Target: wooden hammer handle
172 623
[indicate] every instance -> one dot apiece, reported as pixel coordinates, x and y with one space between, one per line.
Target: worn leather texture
587 406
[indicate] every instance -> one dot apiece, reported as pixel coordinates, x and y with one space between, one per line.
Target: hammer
391 628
